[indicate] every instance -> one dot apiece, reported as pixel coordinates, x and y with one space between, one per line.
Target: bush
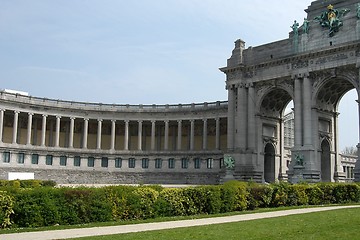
297 195
44 206
315 194
260 196
172 199
280 194
6 209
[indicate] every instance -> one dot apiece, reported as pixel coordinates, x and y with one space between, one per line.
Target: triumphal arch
314 68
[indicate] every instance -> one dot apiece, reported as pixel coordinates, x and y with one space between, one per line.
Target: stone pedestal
229 175
357 165
298 174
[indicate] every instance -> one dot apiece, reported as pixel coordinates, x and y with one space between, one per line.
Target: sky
139 52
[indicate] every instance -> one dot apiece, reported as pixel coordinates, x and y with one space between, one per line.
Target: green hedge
44 206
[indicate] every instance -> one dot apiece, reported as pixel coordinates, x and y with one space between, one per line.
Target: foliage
44 206
6 209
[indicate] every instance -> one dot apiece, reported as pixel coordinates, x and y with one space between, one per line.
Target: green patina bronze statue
299 160
331 19
229 162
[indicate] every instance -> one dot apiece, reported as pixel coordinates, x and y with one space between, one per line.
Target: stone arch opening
269 163
274 103
325 161
271 110
329 94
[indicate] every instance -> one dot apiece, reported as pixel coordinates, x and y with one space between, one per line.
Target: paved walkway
97 231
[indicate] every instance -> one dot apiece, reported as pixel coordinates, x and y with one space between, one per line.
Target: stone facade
314 68
74 142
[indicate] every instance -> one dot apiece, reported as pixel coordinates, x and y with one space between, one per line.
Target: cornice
293 59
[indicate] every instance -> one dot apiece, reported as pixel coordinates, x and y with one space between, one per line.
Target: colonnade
121 130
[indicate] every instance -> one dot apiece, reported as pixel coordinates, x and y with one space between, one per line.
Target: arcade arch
271 111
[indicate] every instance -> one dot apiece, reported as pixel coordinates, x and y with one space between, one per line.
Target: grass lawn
336 224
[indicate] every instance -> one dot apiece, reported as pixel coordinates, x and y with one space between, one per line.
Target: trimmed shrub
260 196
173 201
314 194
6 209
297 195
280 194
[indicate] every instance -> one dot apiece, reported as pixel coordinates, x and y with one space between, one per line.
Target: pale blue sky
136 52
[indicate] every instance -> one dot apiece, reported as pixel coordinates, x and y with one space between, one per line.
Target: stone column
85 135
1 124
179 135
204 146
231 118
357 164
307 126
339 175
126 136
15 126
166 137
57 133
43 130
298 113
241 117
140 135
217 134
251 118
113 134
71 133
153 135
28 139
192 132
99 133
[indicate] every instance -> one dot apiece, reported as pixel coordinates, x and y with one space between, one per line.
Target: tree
350 151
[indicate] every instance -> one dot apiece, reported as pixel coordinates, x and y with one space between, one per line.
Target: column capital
16 111
86 119
153 121
29 113
44 115
113 120
58 117
99 120
140 121
126 121
179 121
72 118
166 121
2 110
300 75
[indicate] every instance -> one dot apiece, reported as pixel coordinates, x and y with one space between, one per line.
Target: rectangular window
104 162
6 157
197 163
221 163
158 163
210 163
63 160
184 163
91 162
49 160
131 162
145 163
35 159
21 158
118 162
171 163
77 161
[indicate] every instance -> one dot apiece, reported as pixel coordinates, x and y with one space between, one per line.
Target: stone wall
99 177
